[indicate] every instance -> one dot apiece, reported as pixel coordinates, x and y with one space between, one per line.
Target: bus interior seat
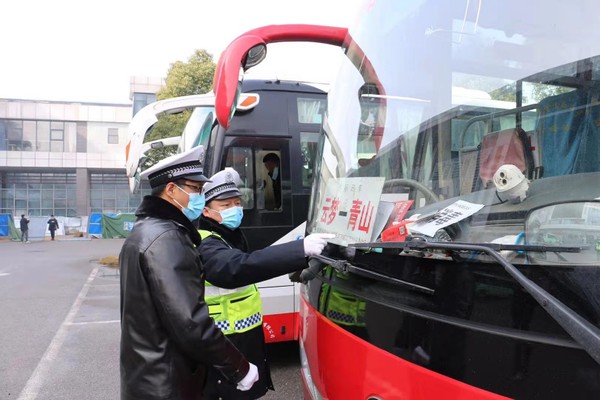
468 155
589 155
568 126
469 160
508 146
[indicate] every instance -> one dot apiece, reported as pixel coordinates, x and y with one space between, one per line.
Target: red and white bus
280 118
467 253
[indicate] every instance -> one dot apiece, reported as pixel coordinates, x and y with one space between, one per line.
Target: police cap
186 165
223 185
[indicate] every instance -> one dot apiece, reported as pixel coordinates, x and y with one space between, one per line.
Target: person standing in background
24 225
52 226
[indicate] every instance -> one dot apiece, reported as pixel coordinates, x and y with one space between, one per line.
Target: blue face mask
232 217
195 205
275 173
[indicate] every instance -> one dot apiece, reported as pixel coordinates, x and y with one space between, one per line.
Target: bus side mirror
255 56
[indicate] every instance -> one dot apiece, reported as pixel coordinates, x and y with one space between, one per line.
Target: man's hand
251 377
315 243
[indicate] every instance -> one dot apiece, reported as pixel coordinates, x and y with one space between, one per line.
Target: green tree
537 91
540 91
194 77
183 78
507 93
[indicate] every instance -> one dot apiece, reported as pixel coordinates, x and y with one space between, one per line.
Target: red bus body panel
280 327
344 366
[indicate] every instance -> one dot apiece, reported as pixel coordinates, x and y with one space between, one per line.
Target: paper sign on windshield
445 217
349 208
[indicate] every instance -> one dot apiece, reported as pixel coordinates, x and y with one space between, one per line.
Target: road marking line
4 274
33 385
112 321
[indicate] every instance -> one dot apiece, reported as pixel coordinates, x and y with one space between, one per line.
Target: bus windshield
458 169
461 132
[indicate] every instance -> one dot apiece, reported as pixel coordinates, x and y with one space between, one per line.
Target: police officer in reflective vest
231 274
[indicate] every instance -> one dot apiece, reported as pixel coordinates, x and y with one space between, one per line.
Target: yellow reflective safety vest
337 305
233 310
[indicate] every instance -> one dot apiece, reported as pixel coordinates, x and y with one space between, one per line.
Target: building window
27 135
113 136
38 194
109 193
57 136
141 100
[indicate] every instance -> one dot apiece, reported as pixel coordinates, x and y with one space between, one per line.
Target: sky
88 50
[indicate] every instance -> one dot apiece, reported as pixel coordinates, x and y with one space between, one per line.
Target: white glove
249 379
315 243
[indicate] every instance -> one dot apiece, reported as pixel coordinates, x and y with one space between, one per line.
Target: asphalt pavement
59 324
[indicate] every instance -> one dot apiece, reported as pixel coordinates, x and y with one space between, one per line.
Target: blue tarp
8 228
4 227
95 224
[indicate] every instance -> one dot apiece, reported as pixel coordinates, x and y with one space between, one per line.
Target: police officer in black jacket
232 271
168 339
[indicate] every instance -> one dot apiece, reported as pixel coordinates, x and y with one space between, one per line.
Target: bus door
264 167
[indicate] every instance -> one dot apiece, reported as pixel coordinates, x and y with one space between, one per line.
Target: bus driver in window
272 163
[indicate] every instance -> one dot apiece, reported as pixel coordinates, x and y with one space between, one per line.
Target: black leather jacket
168 339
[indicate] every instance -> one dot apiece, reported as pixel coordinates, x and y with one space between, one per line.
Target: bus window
268 173
308 148
372 109
310 110
197 129
240 159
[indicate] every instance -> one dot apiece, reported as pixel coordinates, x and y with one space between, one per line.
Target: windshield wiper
419 244
583 332
316 263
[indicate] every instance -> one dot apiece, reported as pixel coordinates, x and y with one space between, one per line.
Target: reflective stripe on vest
339 306
234 310
345 309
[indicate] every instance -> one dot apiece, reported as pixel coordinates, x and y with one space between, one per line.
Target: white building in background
68 158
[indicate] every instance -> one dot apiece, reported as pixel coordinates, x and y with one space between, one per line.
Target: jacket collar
156 207
234 237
